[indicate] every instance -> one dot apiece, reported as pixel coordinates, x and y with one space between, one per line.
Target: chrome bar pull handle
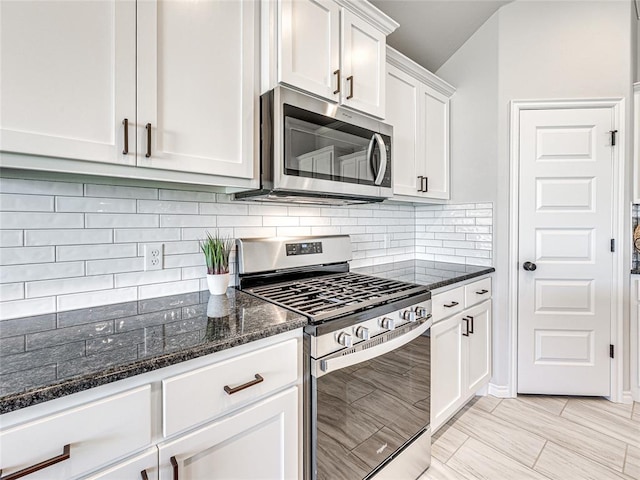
466 332
337 90
350 80
125 122
148 127
231 391
421 179
470 318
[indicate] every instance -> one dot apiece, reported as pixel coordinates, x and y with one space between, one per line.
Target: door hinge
613 137
613 244
611 351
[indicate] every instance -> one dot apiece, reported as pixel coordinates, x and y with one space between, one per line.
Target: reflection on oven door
367 411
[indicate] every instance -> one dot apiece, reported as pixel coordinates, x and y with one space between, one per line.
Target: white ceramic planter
218 284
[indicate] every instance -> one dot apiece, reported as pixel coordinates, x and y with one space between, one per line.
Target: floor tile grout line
533 467
564 407
624 461
457 449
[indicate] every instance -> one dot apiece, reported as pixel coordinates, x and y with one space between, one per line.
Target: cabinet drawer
200 395
98 433
477 292
447 303
131 469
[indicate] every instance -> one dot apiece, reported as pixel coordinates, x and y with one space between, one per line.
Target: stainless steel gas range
367 356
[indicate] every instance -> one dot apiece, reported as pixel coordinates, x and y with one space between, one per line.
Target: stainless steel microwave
313 151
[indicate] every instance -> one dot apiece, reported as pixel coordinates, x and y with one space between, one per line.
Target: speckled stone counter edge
461 278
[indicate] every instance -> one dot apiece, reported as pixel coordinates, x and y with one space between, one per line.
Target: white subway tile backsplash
98 239
13 202
46 288
11 291
40 271
67 237
143 278
93 299
23 308
95 252
21 255
166 206
39 187
115 220
95 205
117 191
25 220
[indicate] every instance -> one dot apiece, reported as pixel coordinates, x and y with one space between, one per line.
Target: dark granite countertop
431 274
49 356
635 271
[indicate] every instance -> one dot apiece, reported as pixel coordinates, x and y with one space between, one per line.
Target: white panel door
402 113
68 78
198 86
310 46
434 132
363 65
258 442
564 314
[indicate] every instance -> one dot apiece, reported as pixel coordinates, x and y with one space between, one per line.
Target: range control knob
363 333
421 312
408 315
388 323
344 339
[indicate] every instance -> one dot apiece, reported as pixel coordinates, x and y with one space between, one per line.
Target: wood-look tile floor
538 437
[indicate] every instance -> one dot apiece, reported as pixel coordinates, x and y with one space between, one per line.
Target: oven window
317 146
367 411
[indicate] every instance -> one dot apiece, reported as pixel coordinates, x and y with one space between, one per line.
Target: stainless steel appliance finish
367 357
313 151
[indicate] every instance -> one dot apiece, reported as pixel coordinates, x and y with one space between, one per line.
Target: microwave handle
383 158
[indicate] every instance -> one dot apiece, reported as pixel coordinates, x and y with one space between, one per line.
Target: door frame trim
617 106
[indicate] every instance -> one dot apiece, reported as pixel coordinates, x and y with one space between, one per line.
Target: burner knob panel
344 339
388 323
408 315
362 333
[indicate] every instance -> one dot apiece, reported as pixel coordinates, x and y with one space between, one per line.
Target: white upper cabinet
68 79
197 86
636 142
310 46
418 108
333 49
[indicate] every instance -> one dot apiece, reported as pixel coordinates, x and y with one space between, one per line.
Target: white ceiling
432 30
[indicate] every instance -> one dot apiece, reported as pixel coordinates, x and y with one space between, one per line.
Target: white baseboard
500 391
627 397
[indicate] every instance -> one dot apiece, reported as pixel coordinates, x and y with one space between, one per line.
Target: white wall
536 50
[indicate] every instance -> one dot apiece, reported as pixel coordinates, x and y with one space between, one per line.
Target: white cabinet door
197 86
310 46
259 441
132 468
363 65
68 78
636 142
478 346
434 132
446 370
402 113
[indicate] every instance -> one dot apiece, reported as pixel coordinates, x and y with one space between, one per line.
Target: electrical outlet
153 256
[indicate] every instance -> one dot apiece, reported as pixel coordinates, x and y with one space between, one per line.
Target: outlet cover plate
153 256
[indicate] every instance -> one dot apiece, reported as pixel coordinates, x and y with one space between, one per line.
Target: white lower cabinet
258 442
132 468
460 354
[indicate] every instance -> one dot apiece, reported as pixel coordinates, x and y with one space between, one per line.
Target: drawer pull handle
470 330
144 475
482 292
451 305
233 390
66 454
466 332
174 464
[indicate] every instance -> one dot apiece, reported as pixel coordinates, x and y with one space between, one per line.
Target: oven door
320 147
370 403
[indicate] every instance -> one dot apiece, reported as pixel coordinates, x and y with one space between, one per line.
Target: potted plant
216 251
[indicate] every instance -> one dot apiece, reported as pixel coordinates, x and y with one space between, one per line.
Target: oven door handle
323 366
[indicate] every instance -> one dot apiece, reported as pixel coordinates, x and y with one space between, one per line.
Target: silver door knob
388 323
344 339
529 266
362 333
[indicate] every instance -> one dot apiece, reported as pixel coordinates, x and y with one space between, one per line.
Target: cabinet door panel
309 45
363 58
131 469
446 370
435 125
479 347
197 86
402 113
68 78
260 441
